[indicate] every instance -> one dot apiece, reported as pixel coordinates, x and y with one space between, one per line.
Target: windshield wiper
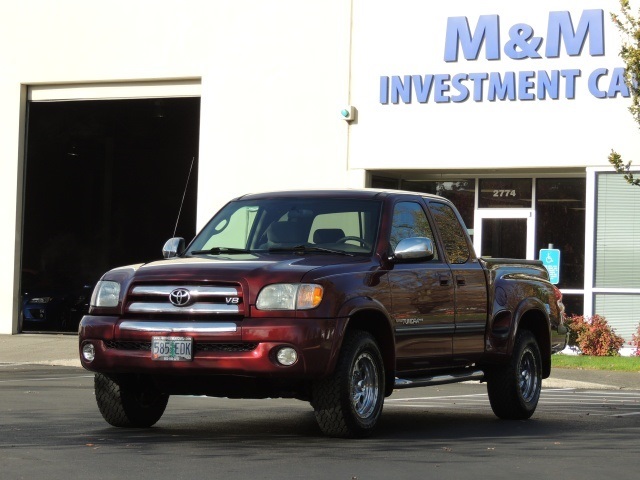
309 248
221 250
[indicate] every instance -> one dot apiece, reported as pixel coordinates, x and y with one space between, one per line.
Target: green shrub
593 336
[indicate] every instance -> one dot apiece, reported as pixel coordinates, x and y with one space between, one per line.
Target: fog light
89 352
287 356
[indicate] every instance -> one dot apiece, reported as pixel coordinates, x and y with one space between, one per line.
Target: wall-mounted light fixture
348 113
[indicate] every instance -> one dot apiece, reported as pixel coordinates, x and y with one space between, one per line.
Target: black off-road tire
349 402
125 405
514 389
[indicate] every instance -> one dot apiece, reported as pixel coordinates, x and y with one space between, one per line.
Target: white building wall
271 99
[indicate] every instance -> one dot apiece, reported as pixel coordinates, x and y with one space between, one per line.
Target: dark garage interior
104 184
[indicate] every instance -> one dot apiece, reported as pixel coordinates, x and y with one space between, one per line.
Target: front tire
514 389
127 405
349 402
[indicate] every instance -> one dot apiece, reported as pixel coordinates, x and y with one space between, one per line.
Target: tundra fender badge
180 297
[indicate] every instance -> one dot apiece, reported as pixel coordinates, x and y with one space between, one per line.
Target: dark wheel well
377 324
536 322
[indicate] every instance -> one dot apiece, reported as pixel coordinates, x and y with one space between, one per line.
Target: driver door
422 297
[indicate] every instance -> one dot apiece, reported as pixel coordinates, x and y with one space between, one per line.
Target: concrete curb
577 384
51 363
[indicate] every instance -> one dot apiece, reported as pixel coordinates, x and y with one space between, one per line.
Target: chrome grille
209 300
165 307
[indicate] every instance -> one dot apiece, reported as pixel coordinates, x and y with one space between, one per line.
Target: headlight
289 296
106 294
40 300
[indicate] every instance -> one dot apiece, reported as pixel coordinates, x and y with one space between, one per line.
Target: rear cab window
453 237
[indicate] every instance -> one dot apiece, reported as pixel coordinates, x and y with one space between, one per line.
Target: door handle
460 280
444 280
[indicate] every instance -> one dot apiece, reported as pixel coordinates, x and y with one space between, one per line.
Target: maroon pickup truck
336 297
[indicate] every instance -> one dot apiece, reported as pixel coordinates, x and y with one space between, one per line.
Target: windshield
319 225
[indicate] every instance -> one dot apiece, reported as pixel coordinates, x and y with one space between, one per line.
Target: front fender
357 304
368 314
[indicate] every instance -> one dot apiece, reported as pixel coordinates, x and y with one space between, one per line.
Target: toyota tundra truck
336 297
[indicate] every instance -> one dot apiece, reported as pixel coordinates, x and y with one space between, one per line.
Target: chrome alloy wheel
364 386
527 377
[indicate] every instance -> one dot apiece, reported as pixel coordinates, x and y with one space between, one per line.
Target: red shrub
594 336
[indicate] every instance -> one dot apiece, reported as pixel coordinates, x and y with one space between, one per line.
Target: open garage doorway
104 183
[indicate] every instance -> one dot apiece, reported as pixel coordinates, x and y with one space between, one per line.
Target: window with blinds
619 310
617 246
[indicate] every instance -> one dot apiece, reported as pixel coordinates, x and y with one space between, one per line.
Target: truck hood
275 268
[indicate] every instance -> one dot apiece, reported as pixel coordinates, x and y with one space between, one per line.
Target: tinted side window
453 237
409 220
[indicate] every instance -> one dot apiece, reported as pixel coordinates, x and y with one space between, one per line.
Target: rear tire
349 402
514 389
125 405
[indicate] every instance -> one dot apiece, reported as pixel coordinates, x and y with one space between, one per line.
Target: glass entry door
505 233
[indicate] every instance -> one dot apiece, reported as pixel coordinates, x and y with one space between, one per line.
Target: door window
504 237
505 233
409 220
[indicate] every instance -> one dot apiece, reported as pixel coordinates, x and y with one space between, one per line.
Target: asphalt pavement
57 349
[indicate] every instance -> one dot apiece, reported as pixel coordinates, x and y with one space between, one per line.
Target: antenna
184 194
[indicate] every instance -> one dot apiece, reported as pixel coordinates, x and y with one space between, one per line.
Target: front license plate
172 348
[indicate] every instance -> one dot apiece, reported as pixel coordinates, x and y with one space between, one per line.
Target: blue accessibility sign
551 259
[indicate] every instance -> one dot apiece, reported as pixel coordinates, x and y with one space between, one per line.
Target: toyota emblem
180 297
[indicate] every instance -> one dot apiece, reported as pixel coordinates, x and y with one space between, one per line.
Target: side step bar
439 379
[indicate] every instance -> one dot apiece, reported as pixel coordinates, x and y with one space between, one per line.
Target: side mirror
414 249
173 247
